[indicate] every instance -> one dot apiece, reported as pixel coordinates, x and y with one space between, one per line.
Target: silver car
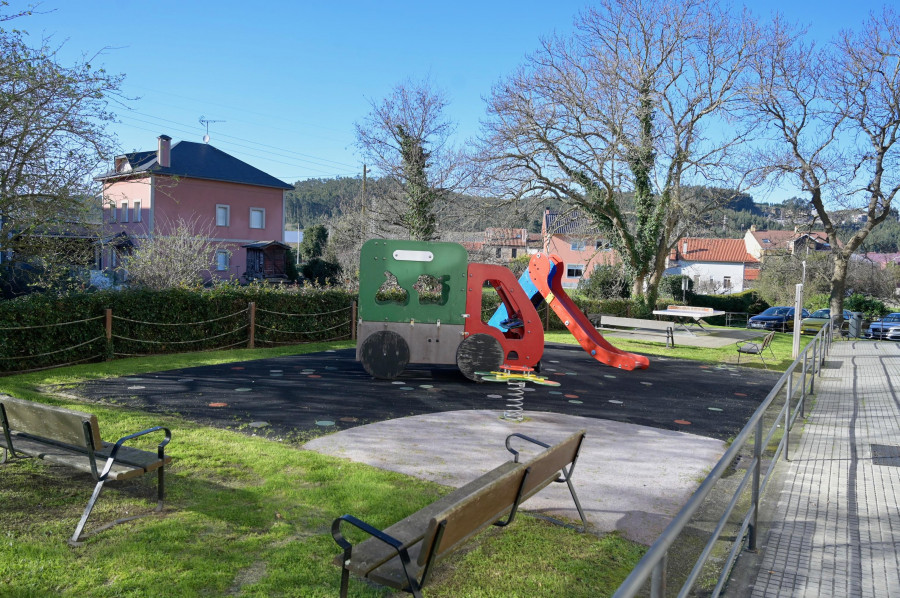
887 328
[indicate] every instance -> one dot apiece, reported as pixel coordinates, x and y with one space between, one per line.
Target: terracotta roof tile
712 250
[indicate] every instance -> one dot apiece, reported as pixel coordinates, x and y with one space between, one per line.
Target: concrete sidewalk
834 527
629 478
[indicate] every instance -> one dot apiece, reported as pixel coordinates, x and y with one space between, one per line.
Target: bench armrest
514 452
160 448
394 543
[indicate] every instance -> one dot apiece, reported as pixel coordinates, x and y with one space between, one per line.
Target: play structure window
432 290
575 271
391 291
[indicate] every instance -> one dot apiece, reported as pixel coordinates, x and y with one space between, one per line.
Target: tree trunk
838 286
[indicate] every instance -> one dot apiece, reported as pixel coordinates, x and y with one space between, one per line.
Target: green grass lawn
249 516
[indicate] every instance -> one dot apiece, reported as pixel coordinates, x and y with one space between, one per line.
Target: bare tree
181 256
618 122
834 116
406 138
52 139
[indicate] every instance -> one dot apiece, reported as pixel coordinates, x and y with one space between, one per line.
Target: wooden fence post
353 321
252 311
109 350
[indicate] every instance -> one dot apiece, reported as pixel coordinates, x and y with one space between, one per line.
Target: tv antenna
206 121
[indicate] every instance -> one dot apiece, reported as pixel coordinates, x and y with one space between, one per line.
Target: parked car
887 328
813 324
775 318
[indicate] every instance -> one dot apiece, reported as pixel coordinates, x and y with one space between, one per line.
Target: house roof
265 245
196 161
568 223
712 250
781 239
511 237
751 273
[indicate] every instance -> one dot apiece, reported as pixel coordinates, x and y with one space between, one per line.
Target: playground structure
397 325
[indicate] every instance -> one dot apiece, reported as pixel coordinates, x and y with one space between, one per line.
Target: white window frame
726 282
136 209
226 210
262 213
577 245
222 260
125 211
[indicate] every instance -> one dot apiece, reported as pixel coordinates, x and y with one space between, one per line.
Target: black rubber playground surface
289 396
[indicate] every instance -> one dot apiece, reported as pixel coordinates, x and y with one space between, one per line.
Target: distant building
766 242
716 266
572 237
148 191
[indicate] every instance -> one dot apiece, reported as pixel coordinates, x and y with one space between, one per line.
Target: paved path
835 529
629 478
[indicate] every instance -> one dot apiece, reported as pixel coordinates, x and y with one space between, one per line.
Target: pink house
571 237
238 205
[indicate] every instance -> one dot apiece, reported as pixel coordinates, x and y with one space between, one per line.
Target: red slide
546 273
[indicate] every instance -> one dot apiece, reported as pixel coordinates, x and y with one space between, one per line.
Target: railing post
816 369
803 385
787 416
754 498
658 578
353 321
252 311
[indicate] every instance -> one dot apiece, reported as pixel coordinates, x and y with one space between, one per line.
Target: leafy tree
321 272
315 238
53 138
406 139
605 282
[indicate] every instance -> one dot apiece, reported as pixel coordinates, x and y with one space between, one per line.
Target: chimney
684 247
752 228
164 152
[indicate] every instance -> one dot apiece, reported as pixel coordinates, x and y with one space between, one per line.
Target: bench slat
63 425
370 553
135 462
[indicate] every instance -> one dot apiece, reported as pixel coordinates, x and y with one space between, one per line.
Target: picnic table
686 315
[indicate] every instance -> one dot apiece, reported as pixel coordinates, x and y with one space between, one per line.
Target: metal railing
799 379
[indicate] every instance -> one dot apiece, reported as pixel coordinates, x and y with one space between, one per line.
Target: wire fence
32 348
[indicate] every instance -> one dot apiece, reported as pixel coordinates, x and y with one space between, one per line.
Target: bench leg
74 540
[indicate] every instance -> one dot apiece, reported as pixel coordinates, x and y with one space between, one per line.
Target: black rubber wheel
479 353
384 355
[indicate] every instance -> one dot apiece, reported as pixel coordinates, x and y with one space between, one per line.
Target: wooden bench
756 348
72 438
402 555
601 321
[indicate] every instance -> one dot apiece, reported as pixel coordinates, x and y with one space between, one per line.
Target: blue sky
288 78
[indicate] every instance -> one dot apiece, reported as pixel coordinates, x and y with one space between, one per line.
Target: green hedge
149 322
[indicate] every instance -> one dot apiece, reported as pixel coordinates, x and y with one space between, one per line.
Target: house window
575 271
137 211
497 251
112 212
726 282
223 215
513 252
257 218
124 211
578 245
221 260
